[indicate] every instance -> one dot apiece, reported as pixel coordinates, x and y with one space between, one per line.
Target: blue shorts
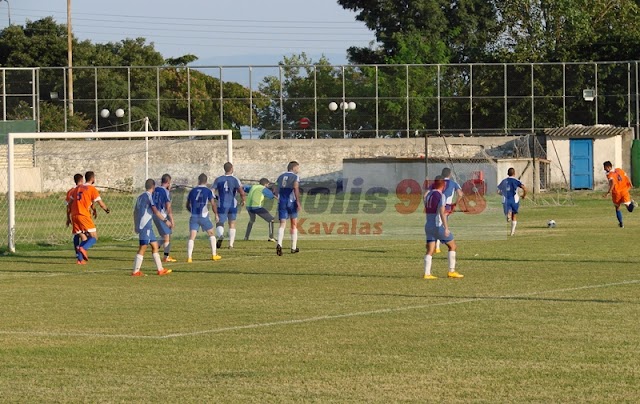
289 211
510 206
195 223
162 227
437 233
146 235
227 213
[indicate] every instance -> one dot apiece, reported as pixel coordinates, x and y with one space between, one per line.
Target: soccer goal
40 169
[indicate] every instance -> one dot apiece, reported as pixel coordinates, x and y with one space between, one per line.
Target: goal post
52 156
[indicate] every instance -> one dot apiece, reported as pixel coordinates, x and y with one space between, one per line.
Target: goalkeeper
255 201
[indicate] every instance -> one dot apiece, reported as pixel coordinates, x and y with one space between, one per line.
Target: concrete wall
121 163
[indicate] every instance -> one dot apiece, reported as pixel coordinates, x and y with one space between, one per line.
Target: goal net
39 170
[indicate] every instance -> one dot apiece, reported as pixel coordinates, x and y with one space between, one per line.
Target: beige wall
120 164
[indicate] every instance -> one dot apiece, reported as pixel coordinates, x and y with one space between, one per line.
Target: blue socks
619 216
91 241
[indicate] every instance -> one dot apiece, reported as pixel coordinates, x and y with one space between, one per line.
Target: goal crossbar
11 138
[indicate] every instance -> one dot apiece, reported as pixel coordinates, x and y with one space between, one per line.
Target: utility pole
70 58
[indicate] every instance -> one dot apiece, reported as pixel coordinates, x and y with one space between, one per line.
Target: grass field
550 315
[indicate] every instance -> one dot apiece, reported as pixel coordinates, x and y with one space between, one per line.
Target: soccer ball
551 223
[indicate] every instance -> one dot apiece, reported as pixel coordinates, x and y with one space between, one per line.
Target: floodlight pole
70 58
8 10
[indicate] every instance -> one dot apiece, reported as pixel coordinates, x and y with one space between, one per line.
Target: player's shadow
517 298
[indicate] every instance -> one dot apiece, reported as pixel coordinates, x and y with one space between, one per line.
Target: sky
219 33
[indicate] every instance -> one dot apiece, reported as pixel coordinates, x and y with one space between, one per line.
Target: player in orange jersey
619 186
82 211
78 236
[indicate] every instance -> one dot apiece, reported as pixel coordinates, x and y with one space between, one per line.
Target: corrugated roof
587 131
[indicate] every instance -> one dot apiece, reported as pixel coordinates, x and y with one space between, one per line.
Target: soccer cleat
438 251
429 277
294 251
231 247
81 262
621 225
279 250
455 274
189 260
168 258
273 240
216 257
83 252
138 273
164 271
218 243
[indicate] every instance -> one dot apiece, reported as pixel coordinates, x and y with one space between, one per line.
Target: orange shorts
82 224
620 198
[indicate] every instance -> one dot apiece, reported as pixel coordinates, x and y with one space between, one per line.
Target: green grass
550 315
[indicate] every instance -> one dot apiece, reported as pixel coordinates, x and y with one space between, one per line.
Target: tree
463 28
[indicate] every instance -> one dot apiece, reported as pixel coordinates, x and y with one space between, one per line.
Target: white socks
137 263
167 248
427 264
452 261
437 244
294 238
280 235
212 241
513 227
158 261
232 237
190 248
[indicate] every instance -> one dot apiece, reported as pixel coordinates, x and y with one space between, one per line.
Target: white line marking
306 320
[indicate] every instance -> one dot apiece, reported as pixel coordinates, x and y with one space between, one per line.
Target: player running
508 188
162 200
226 187
619 186
437 228
255 201
143 213
197 201
288 194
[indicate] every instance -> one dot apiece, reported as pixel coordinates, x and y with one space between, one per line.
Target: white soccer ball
104 113
351 105
119 112
333 106
551 223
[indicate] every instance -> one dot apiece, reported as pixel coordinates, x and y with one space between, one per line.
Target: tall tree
463 27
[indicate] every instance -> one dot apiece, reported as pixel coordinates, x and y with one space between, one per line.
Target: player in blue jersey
451 189
162 200
197 203
226 187
437 228
143 213
288 193
255 206
508 188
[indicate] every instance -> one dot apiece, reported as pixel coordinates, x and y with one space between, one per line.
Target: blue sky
240 32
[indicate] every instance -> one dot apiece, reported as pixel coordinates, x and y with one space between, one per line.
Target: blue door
581 152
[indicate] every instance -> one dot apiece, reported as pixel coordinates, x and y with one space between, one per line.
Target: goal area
40 169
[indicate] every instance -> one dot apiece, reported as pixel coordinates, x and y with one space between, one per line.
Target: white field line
308 319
